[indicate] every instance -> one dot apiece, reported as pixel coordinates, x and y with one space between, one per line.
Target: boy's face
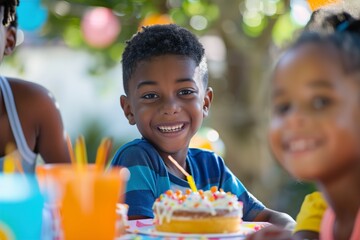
7 37
315 122
167 101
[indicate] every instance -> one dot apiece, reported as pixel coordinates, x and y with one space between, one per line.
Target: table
143 229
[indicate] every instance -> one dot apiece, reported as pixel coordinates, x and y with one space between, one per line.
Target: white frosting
208 202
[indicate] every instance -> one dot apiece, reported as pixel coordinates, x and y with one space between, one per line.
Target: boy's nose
170 107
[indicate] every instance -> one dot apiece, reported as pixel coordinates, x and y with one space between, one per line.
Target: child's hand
271 233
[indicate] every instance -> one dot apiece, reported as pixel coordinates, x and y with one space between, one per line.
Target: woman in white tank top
29 117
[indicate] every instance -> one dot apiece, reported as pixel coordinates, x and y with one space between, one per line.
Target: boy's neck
180 158
174 170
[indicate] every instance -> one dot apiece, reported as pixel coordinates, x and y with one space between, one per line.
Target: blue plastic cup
21 207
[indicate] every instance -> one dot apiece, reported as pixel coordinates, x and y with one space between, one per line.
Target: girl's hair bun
329 21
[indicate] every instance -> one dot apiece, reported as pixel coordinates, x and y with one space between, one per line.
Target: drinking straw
102 153
188 176
12 160
70 148
109 144
9 164
80 152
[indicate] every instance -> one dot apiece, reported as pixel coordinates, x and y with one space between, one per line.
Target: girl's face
167 101
315 123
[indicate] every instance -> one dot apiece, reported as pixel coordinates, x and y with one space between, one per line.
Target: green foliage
64 21
284 30
66 25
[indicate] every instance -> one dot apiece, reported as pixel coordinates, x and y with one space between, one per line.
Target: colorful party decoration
100 27
156 18
316 4
31 15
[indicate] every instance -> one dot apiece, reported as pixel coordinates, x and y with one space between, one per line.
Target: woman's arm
51 139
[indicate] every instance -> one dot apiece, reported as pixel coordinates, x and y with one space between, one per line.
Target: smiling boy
167 97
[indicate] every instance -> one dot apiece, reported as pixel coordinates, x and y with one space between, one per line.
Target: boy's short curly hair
158 40
9 12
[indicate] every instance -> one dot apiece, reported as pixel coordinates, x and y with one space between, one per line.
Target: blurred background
74 47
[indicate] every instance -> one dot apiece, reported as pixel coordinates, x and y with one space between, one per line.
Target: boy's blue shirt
149 177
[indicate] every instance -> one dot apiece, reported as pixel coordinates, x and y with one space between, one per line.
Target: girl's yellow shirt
311 213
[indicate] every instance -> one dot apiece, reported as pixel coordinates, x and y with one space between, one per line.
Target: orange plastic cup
86 198
53 179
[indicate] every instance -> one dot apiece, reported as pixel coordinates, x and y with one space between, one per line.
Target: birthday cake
210 211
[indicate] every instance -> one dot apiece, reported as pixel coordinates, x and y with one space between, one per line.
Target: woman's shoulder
35 105
18 84
24 90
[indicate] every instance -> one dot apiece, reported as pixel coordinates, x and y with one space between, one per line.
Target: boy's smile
171 128
315 130
167 101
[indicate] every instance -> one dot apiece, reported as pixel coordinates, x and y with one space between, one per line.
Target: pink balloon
100 27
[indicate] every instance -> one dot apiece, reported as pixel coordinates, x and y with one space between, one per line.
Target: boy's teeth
171 128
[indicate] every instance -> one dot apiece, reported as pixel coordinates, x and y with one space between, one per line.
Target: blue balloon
31 15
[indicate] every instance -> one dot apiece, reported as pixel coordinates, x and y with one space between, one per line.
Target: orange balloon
156 19
316 4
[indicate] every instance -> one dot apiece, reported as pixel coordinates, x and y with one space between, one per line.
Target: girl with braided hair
29 116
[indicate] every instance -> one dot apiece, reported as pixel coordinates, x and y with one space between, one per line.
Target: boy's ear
125 105
10 40
207 101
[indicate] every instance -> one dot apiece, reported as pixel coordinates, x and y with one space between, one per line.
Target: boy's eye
150 96
320 102
281 109
186 92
